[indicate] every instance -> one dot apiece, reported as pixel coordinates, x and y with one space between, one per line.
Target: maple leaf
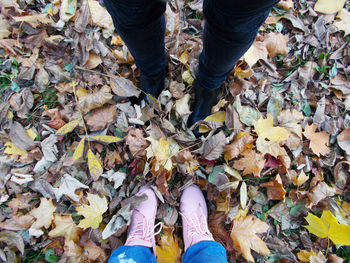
289 119
304 255
43 214
68 186
252 163
65 227
168 250
241 142
92 212
275 190
318 140
328 226
265 130
344 23
243 235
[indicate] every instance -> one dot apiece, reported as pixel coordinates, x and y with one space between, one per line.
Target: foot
152 85
194 216
205 99
141 230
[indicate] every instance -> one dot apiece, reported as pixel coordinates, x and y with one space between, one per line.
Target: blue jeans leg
205 251
230 28
132 254
141 25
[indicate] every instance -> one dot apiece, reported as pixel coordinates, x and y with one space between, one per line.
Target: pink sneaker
193 210
141 230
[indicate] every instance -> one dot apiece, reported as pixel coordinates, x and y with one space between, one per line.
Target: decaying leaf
68 187
65 227
78 153
214 147
136 142
275 190
70 126
243 235
92 212
124 87
241 142
94 164
95 100
101 118
251 163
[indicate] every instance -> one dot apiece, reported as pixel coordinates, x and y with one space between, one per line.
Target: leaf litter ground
75 147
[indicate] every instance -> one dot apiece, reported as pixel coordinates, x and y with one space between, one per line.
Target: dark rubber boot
205 99
152 85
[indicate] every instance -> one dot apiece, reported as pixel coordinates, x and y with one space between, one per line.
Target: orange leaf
275 190
318 140
251 163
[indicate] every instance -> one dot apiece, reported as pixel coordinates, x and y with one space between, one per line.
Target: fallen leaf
243 235
168 250
65 227
136 142
246 114
265 130
17 222
4 27
43 214
304 255
95 100
214 147
68 187
92 212
275 190
72 250
99 15
49 148
218 117
22 102
116 177
13 149
34 20
20 138
320 192
276 44
182 107
318 140
344 22
289 119
286 4
242 142
12 239
256 52
93 253
300 179
329 7
105 138
243 195
70 126
328 226
95 166
343 140
124 87
319 258
101 118
78 153
251 163
93 61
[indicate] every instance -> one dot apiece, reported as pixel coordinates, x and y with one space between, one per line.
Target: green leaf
51 257
15 87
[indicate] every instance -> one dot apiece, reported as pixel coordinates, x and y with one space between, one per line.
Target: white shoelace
142 231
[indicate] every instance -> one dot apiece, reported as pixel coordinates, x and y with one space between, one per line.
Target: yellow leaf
94 164
217 117
187 77
31 133
117 40
264 128
329 7
70 126
300 179
13 149
328 226
344 22
168 250
244 238
33 20
256 51
106 138
92 212
185 57
99 15
270 147
304 255
65 227
82 92
79 150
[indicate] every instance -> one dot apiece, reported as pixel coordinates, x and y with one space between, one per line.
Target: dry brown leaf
318 140
252 163
289 119
214 147
276 44
93 61
124 87
286 4
34 20
344 140
4 27
43 214
275 190
9 44
243 235
320 192
72 250
95 100
256 51
136 142
101 118
17 222
242 142
92 252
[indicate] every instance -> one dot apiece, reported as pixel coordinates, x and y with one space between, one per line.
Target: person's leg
134 254
140 240
230 28
205 251
141 25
